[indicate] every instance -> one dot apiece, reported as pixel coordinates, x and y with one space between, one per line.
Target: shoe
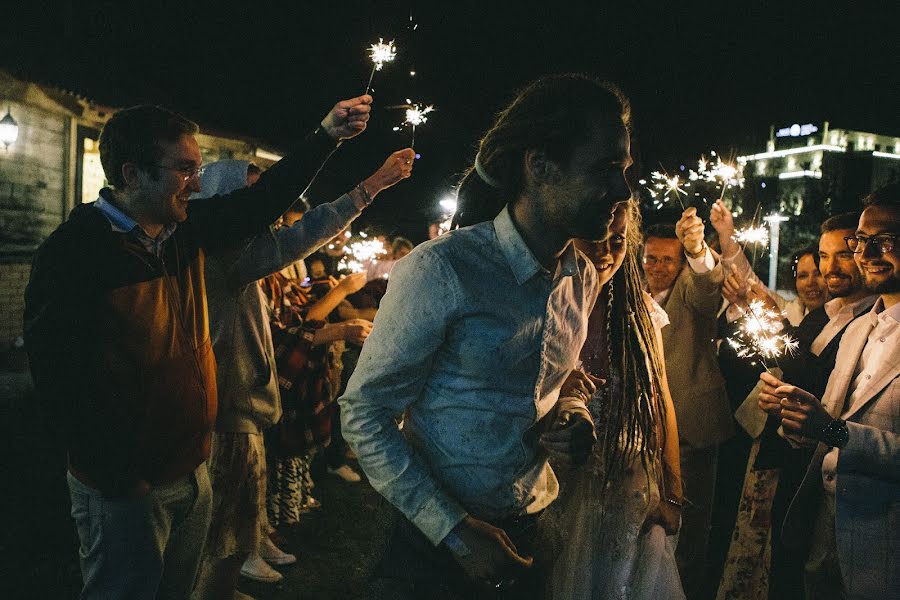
274 555
257 569
346 473
241 596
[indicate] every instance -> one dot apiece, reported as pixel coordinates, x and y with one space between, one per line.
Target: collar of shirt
879 313
834 307
518 255
122 223
661 297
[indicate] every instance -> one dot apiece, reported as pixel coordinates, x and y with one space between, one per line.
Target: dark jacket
118 338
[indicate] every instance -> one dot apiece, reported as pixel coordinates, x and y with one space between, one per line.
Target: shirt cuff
437 517
703 264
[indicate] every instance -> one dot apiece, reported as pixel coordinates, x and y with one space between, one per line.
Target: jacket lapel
836 393
888 371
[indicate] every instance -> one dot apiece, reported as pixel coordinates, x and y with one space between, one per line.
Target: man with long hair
471 344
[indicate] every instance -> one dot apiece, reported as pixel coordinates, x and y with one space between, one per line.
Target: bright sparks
752 235
415 114
382 52
360 254
760 334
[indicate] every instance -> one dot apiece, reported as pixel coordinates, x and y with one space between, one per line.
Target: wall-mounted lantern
9 130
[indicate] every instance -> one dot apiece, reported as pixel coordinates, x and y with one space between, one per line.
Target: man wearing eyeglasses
848 505
117 331
685 277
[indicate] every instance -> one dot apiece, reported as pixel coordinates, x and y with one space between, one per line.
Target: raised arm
703 289
221 222
268 252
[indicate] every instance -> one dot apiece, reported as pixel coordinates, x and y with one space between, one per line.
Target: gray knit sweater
238 314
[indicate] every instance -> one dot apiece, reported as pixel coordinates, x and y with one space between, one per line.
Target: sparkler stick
380 53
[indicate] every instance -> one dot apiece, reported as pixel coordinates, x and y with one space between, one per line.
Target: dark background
700 77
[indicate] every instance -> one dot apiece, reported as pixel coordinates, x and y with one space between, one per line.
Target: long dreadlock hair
553 114
635 411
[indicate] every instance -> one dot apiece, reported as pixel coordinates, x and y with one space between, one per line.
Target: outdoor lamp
9 130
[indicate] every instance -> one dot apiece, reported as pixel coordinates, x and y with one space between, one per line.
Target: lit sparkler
358 255
662 184
415 115
760 335
752 235
380 53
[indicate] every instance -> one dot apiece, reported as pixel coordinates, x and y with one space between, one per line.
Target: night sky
699 79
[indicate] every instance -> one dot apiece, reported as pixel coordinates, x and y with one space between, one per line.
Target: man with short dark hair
117 331
685 277
847 506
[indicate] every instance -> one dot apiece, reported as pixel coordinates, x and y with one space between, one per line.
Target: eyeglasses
882 241
667 261
185 172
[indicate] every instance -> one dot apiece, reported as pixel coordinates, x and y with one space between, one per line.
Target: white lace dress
595 535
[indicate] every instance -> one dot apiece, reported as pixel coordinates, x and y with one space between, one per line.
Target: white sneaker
346 473
257 569
274 555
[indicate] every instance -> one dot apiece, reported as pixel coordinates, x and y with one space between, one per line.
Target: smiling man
847 506
117 331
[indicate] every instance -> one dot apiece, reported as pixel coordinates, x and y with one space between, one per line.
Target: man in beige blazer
685 278
849 503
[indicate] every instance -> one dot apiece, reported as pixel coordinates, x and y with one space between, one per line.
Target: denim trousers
143 548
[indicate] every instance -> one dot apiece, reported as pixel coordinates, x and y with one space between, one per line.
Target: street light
9 130
774 222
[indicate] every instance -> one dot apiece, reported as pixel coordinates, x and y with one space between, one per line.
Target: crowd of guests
546 394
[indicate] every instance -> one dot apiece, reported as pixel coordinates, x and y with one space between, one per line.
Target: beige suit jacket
698 390
867 496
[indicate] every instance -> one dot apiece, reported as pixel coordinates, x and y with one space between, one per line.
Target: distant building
813 169
54 164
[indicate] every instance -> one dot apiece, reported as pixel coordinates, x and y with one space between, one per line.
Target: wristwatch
835 434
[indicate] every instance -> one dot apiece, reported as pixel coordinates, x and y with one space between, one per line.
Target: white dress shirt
840 314
471 345
884 340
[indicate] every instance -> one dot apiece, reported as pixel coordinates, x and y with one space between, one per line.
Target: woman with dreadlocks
607 533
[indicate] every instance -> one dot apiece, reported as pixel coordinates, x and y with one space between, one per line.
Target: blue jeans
142 548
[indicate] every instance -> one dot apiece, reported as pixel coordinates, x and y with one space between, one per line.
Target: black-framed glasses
185 172
883 241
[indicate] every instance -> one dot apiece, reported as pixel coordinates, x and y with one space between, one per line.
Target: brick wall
13 278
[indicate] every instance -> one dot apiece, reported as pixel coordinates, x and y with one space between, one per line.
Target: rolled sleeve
393 368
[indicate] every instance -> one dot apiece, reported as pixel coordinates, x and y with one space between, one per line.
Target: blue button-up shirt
471 343
122 223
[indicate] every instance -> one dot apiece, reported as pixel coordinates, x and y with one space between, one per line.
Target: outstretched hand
397 167
348 117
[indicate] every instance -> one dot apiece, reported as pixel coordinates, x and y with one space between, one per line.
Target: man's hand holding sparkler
348 118
800 412
397 167
690 232
721 220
